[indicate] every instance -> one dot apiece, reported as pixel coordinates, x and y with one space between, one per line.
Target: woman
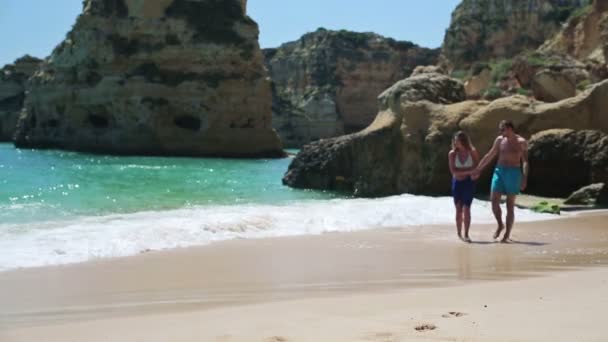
463 159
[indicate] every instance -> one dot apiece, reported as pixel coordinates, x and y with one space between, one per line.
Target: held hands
475 174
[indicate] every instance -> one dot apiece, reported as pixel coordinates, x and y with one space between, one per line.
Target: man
511 150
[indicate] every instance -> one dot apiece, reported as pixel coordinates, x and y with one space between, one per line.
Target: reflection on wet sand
248 271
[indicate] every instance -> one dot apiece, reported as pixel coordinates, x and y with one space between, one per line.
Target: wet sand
371 285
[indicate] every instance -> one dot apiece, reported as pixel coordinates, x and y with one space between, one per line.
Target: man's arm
489 157
475 156
526 165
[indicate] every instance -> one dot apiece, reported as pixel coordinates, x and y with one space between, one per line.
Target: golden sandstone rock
327 82
13 84
405 149
168 77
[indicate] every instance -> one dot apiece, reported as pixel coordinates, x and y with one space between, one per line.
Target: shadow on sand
511 242
527 243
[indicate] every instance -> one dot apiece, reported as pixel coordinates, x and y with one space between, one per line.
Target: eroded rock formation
572 57
13 83
482 30
326 83
163 77
378 160
584 154
594 194
585 37
405 148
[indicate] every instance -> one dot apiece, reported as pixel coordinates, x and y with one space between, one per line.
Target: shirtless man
511 150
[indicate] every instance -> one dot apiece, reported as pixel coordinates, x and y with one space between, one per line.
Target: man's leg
459 219
496 196
510 216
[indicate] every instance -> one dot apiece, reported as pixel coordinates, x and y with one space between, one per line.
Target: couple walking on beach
508 178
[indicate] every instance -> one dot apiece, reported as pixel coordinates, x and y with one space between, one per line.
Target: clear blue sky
35 27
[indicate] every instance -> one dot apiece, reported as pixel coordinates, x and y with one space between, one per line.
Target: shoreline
567 214
240 273
78 239
370 285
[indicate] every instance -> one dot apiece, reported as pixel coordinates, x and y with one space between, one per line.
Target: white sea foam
85 238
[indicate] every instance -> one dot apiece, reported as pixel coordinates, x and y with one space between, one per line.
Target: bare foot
467 239
505 239
498 231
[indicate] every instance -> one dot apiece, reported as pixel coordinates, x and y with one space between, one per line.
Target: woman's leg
459 219
466 211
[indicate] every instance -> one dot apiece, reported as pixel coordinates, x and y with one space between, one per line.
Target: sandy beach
550 284
236 171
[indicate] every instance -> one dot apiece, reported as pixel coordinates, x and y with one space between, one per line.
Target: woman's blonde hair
464 141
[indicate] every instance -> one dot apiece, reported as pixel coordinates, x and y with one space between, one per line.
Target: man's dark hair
507 124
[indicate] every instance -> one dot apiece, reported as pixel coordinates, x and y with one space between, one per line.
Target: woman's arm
452 162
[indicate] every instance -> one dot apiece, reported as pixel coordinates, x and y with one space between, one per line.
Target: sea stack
157 77
13 82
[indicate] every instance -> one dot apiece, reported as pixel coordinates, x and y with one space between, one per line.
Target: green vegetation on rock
492 93
500 69
582 85
399 44
479 67
537 60
561 13
580 12
355 38
213 20
461 74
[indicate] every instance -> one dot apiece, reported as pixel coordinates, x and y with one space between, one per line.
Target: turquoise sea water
49 184
59 207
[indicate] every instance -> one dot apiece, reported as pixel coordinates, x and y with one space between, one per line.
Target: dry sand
366 286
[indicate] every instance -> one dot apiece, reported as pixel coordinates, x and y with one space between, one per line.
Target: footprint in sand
425 327
277 339
453 314
381 337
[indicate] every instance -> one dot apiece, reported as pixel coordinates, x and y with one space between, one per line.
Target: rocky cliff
482 30
583 153
494 43
326 83
383 159
584 37
13 83
570 59
405 149
163 77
